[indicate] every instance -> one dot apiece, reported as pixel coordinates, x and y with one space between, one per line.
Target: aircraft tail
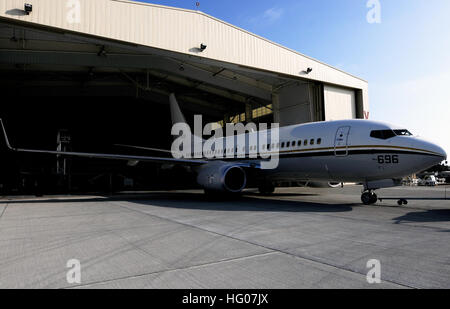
177 115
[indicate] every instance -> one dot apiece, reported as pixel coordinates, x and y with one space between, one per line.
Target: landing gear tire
267 189
369 198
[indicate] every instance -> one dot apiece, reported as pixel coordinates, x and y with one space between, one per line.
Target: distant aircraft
375 154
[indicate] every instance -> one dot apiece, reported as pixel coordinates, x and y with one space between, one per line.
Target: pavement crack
273 250
3 211
171 270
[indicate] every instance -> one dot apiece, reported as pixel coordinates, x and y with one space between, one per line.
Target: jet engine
222 177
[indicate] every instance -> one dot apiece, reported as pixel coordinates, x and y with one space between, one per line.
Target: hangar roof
177 33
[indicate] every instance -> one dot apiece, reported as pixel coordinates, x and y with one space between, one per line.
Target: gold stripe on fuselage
356 147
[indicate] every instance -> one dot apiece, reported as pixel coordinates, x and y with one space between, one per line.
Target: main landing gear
369 197
266 189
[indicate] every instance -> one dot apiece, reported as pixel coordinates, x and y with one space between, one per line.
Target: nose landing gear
369 197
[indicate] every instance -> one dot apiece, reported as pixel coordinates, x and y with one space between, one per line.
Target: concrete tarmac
297 238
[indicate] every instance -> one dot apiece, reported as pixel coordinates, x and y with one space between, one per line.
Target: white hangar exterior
147 43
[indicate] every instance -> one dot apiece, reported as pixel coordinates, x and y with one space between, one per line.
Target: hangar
89 75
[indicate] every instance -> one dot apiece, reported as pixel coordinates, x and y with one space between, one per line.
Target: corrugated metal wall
340 104
176 30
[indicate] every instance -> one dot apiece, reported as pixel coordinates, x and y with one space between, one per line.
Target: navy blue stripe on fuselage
340 153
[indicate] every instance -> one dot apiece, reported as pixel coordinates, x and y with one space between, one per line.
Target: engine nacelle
223 177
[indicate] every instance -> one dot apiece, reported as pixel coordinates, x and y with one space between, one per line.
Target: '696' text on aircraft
374 154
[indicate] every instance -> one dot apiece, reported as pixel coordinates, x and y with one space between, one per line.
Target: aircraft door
341 142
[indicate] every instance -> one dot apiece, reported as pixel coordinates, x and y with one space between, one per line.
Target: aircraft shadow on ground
432 215
200 201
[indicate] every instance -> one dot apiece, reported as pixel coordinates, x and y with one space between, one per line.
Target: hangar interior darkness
102 92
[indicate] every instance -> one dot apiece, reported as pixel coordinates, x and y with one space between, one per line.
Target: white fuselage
341 151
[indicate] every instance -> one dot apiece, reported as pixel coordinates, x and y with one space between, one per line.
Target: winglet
6 136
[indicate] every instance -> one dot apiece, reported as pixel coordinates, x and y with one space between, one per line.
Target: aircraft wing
144 148
129 158
132 160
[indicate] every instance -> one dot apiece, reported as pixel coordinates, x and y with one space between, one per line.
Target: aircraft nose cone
444 154
439 150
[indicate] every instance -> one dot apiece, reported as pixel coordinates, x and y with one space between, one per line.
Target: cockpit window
382 134
402 133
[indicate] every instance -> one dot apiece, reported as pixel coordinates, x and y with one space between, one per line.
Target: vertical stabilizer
177 115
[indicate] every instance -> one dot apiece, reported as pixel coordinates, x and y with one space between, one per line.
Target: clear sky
405 58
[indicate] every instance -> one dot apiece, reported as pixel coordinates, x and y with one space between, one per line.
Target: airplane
374 154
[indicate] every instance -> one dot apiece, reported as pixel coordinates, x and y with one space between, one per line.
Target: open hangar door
95 94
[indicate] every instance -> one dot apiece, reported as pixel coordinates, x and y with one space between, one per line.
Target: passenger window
299 143
305 142
282 145
288 144
312 141
319 141
293 144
